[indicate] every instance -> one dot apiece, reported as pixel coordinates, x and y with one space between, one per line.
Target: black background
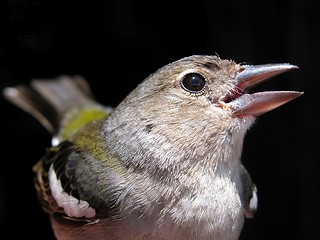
116 44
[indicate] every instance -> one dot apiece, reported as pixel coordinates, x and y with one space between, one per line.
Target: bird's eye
193 82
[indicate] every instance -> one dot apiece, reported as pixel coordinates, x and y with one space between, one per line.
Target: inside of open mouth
234 93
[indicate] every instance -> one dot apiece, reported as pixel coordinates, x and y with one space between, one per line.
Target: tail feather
32 102
48 99
64 92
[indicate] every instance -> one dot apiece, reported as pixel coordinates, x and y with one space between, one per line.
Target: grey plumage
164 164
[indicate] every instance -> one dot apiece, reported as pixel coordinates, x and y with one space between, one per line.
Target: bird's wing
249 194
65 189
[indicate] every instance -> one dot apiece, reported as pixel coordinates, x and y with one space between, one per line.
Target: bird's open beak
241 103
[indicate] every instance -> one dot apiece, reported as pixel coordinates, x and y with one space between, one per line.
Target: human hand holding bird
164 164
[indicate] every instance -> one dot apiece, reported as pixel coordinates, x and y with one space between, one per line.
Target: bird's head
200 102
204 89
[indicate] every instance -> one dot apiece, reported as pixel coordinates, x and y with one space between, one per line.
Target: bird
163 164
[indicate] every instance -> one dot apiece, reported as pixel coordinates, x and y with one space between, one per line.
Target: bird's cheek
220 115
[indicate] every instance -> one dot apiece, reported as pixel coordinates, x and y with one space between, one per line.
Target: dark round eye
193 82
